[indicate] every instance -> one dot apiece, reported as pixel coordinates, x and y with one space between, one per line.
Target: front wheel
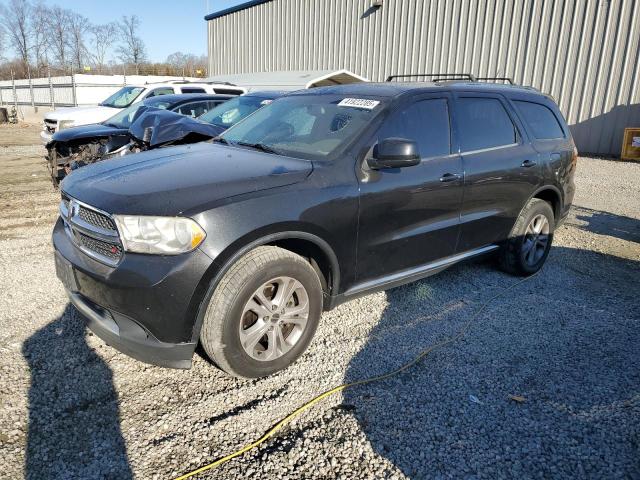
528 245
263 313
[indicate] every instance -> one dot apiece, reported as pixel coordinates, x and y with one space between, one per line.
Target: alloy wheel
274 318
536 240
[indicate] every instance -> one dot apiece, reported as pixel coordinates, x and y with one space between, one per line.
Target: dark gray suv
322 196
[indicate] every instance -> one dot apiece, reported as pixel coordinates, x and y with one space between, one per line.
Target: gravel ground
567 341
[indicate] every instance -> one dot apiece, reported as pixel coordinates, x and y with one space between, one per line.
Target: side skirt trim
416 273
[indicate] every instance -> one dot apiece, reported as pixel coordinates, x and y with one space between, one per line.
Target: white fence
70 90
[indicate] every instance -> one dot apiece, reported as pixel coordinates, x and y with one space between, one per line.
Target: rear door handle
450 177
528 164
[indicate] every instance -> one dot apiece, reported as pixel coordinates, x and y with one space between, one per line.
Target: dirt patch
20 134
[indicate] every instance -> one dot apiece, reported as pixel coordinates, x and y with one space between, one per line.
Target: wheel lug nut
267 318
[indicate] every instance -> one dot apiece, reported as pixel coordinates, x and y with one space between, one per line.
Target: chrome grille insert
93 231
109 250
97 219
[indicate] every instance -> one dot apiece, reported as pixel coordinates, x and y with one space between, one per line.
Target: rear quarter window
192 90
542 121
483 123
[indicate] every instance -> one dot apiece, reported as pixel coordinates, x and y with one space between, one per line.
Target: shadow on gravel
605 223
567 341
74 421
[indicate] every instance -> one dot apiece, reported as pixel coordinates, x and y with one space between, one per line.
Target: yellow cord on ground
273 430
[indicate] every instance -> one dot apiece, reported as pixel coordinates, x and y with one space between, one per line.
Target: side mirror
394 153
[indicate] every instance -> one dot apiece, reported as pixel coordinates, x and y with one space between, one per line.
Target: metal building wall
583 52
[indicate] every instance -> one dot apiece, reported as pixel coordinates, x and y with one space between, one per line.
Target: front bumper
145 307
127 336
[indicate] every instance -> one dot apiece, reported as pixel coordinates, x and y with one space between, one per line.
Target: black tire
220 334
515 256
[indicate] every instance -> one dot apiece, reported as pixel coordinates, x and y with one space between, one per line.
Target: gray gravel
568 341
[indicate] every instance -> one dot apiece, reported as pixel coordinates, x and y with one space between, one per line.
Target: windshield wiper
259 146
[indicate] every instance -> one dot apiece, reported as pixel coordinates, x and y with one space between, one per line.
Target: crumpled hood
82 115
165 126
88 132
182 180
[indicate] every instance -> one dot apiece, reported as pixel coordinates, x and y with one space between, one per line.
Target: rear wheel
530 240
263 313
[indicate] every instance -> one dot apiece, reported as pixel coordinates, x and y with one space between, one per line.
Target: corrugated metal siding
586 53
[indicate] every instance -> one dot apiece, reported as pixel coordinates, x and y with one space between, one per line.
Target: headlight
62 124
159 235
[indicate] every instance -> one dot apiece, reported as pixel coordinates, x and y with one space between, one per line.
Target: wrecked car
155 128
78 146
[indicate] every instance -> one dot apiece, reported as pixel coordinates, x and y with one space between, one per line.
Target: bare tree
78 28
2 44
132 50
15 20
40 34
58 24
102 36
187 63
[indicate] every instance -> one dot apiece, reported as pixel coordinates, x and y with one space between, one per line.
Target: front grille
96 219
109 250
93 231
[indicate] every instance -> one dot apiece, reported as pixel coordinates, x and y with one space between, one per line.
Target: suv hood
82 115
182 180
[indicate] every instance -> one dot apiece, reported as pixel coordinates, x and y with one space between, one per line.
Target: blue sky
167 26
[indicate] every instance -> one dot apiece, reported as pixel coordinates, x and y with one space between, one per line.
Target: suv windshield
125 118
305 126
234 110
123 97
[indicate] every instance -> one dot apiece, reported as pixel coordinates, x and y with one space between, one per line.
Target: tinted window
228 91
483 123
541 119
192 90
426 122
193 109
161 91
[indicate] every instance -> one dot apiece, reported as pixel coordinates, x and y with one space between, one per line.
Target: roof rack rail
447 77
496 79
434 77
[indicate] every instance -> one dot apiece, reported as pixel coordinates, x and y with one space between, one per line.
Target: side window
193 109
161 91
483 123
426 122
192 90
541 119
213 104
228 91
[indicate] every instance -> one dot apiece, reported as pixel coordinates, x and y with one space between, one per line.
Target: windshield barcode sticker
359 103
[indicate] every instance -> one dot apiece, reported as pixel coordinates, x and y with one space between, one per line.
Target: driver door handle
528 163
450 177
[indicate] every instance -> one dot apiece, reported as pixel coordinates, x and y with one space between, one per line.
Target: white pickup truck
74 116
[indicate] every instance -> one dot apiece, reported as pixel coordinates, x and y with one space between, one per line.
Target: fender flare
221 269
555 190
